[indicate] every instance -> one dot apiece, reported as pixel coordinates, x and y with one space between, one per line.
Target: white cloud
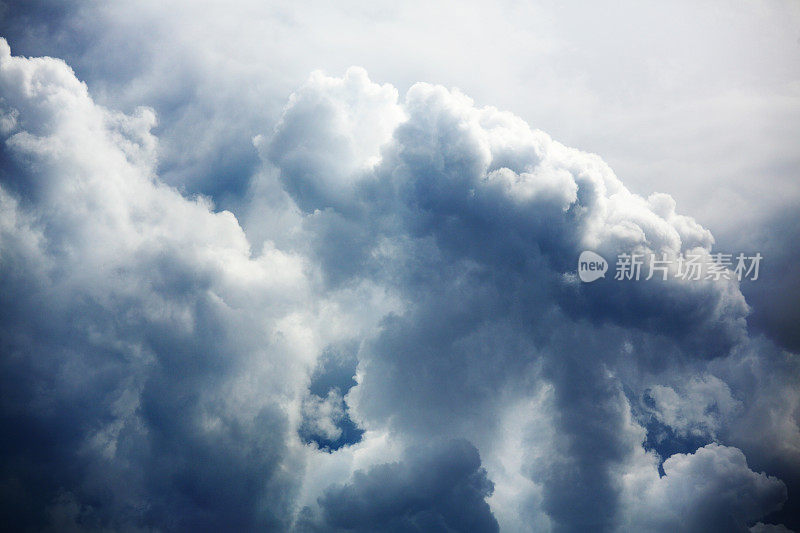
710 490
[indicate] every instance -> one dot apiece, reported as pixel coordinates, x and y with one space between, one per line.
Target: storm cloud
385 332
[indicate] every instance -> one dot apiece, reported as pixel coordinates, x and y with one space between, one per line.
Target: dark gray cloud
438 488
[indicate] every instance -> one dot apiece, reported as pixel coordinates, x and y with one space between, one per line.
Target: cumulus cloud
476 221
327 138
710 490
162 370
151 360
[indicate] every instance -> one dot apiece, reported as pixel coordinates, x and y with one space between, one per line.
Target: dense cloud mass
442 489
389 336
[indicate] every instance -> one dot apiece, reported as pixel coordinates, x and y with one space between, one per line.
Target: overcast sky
294 266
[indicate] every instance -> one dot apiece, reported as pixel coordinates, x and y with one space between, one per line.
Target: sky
294 266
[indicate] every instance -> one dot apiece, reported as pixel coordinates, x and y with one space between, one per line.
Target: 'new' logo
591 266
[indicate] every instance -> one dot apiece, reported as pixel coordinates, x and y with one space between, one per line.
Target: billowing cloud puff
476 221
710 490
164 369
332 131
461 175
